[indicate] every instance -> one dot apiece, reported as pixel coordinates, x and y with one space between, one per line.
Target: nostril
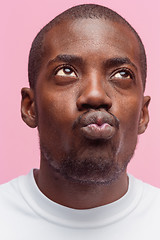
89 106
86 106
104 106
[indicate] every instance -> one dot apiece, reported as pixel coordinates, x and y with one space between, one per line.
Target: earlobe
144 117
28 112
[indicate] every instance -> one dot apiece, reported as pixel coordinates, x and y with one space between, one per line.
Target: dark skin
91 73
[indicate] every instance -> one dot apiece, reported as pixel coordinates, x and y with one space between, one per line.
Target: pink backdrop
19 23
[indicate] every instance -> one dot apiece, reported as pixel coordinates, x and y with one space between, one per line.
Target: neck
78 195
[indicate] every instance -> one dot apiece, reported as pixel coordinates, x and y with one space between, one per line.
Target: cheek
128 115
128 112
55 116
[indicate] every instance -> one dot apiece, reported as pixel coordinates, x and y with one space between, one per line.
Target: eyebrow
119 61
67 59
109 63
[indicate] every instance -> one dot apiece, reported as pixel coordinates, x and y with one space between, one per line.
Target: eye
66 72
123 78
122 74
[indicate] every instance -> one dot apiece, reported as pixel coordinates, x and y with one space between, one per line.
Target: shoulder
9 187
151 193
11 192
149 190
150 196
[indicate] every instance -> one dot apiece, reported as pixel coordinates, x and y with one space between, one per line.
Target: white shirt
25 213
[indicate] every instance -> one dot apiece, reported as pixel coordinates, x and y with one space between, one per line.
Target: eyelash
65 66
128 71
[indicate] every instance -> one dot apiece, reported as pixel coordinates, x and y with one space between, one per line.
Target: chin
91 170
89 167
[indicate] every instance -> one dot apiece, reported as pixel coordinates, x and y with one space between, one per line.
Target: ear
28 112
144 116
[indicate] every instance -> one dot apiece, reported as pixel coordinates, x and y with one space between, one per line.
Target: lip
94 131
97 125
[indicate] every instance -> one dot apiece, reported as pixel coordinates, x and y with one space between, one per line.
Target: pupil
67 70
124 74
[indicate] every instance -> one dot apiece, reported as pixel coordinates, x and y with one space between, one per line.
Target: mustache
94 117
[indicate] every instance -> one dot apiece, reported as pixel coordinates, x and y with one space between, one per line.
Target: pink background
19 23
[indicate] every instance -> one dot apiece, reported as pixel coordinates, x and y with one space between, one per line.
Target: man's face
89 99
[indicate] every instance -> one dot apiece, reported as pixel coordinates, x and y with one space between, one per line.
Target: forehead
94 38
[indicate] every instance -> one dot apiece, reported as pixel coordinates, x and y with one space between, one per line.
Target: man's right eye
66 72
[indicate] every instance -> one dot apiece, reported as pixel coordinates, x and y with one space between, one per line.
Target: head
87 72
86 11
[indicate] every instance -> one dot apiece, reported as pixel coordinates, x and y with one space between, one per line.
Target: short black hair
92 11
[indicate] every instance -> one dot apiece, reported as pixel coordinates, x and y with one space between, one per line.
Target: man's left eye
123 74
66 72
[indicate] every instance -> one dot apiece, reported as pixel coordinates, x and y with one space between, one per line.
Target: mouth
96 125
94 131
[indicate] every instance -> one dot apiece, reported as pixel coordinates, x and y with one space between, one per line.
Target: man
87 72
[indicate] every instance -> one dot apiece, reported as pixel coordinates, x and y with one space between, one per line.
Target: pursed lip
97 125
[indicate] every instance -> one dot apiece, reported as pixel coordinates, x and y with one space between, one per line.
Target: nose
94 96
